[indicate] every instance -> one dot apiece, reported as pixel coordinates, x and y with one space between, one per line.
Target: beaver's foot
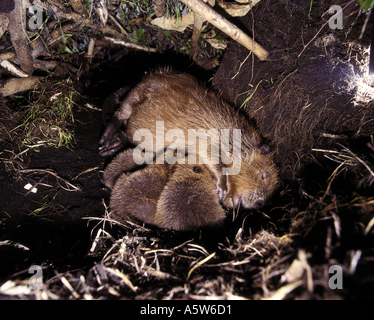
113 139
221 185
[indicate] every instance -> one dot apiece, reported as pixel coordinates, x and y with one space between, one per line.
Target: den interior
309 91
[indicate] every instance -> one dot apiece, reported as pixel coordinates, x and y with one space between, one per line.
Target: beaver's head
255 183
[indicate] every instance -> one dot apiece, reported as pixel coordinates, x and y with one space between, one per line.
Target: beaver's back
182 103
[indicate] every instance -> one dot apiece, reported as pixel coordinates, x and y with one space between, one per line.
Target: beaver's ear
264 148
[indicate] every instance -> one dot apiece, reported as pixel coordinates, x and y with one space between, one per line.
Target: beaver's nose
258 204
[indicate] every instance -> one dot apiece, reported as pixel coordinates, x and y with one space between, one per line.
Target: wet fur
177 197
182 103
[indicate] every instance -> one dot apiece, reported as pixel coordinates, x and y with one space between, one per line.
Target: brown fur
180 101
177 197
260 178
123 162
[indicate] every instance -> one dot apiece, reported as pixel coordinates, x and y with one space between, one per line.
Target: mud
301 103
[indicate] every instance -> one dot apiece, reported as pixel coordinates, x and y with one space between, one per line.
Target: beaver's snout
258 204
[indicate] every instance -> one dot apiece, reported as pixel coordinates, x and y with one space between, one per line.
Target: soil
319 80
53 224
58 236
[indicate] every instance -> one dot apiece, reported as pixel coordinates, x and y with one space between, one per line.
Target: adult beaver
182 106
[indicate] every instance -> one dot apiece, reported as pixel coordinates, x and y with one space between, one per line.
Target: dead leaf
4 22
172 24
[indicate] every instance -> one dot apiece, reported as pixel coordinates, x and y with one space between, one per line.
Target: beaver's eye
264 149
263 175
197 169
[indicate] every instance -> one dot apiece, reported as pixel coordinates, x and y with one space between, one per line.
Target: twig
33 186
368 227
69 286
13 69
240 66
74 188
361 161
14 85
91 46
199 264
365 24
119 25
331 179
19 38
227 27
322 150
130 45
350 2
6 56
85 171
87 105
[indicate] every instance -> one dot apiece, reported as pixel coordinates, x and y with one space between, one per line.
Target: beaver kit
177 197
178 102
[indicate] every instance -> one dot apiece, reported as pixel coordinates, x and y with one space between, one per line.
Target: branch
15 85
130 45
350 2
227 27
20 41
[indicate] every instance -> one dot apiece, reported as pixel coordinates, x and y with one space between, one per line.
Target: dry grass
46 120
286 256
323 216
310 107
290 261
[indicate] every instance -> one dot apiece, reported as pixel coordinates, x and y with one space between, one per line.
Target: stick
130 45
123 30
227 27
13 69
350 2
18 36
14 85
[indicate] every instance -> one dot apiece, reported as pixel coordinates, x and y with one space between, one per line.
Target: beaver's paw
113 139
